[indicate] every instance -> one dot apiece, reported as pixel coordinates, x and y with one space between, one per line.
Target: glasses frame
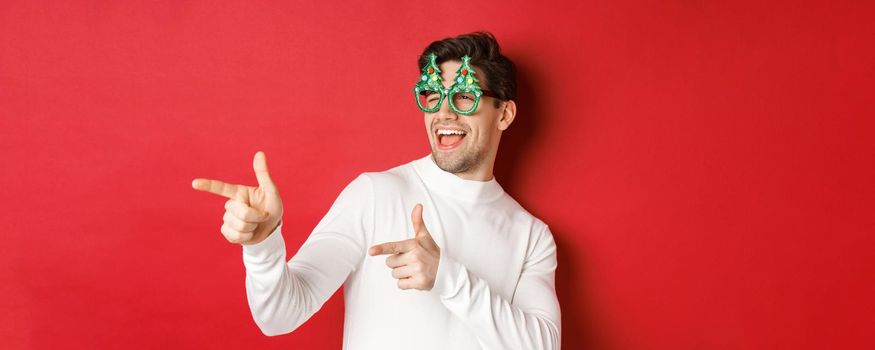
465 82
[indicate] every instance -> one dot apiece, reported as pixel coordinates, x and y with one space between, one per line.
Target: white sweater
494 287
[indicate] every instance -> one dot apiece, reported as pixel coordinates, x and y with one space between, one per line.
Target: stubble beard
460 160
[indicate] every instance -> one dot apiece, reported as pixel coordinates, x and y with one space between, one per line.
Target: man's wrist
269 233
267 247
445 282
275 227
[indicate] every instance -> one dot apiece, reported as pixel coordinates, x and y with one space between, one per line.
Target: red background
706 166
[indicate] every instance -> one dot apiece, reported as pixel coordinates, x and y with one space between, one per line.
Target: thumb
418 224
423 237
259 163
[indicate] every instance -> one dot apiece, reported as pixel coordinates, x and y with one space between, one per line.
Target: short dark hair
486 56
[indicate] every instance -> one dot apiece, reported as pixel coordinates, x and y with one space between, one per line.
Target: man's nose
445 112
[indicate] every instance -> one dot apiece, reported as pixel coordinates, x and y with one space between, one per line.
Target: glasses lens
429 100
464 101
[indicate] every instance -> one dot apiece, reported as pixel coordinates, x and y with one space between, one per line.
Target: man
470 269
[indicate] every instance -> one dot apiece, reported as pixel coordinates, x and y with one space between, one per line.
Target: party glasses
464 95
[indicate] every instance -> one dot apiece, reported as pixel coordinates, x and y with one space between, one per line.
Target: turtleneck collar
440 181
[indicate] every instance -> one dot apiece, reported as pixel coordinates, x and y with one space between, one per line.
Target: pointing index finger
226 190
393 247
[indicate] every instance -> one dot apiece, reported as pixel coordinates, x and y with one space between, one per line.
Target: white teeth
450 132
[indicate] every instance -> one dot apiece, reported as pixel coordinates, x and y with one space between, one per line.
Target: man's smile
449 137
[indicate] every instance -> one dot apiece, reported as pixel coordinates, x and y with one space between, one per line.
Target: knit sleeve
531 320
283 295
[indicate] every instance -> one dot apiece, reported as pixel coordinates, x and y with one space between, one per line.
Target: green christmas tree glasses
463 95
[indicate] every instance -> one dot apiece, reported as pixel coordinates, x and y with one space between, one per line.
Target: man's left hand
414 262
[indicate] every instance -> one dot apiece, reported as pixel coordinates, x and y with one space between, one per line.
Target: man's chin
449 161
441 158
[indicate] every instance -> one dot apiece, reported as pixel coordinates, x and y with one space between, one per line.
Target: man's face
463 143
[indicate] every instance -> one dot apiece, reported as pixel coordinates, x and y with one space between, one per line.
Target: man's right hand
251 213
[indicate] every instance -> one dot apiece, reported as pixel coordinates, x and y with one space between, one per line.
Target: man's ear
507 115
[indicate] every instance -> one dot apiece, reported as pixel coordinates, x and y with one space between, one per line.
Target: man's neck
480 173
